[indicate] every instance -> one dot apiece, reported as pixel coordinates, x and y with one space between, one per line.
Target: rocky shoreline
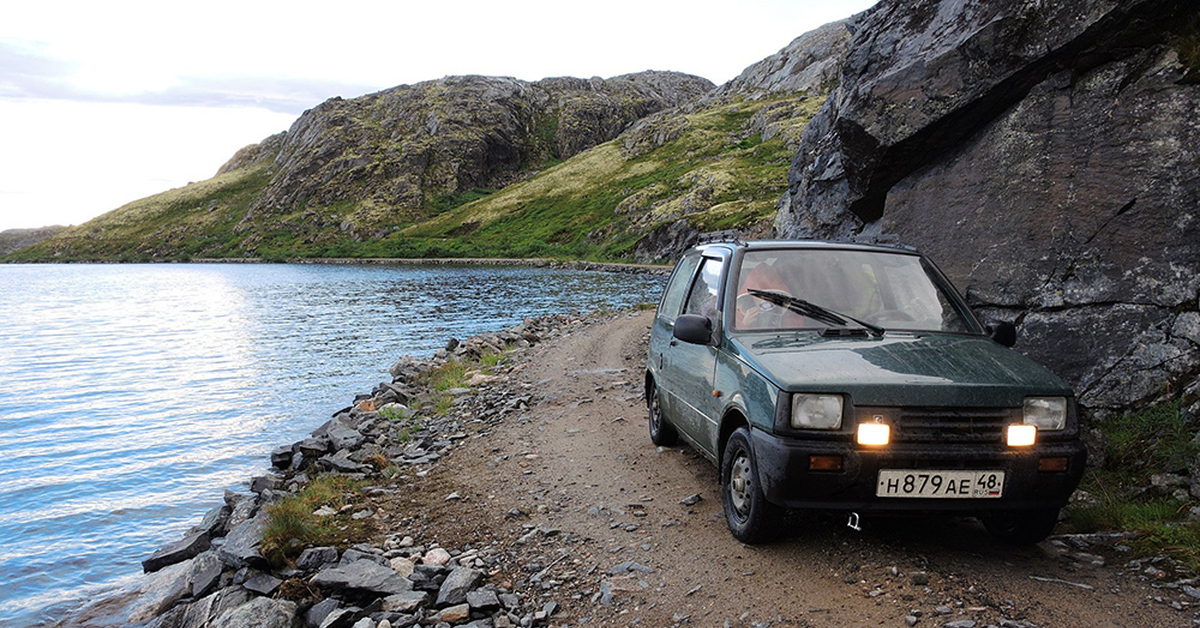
221 574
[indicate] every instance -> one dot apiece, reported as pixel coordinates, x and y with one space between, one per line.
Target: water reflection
134 394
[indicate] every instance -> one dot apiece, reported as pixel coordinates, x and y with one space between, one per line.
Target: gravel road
617 532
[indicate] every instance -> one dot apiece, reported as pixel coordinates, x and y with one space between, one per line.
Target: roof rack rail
882 239
728 235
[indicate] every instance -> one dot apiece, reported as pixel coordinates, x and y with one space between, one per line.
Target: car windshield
814 288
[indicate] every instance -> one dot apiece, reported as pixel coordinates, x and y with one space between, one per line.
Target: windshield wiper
814 311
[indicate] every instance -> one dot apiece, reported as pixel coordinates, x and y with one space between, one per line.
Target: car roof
751 245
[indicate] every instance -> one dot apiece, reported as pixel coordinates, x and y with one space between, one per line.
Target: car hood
900 369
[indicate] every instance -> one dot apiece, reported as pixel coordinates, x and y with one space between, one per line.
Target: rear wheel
1021 527
661 432
751 518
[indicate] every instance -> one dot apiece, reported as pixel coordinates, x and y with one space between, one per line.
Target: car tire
1021 527
751 518
662 433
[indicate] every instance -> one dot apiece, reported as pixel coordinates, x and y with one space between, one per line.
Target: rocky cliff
1046 154
393 152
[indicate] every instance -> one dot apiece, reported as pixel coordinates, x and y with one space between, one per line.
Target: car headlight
1046 413
820 412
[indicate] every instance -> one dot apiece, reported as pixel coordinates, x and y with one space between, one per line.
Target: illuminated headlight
819 412
874 434
1046 413
1021 435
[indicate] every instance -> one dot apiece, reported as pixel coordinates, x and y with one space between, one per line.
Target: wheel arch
733 418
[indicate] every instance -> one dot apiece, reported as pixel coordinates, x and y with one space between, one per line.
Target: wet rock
214 521
242 508
206 573
181 550
160 591
270 482
281 457
241 546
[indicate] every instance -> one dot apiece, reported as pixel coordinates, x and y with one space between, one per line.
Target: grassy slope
715 171
197 220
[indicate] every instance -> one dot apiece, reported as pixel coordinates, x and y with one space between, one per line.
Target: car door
662 333
690 368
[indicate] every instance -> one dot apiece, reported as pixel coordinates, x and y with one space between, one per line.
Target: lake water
131 396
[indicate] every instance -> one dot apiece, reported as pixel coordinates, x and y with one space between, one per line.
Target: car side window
702 299
677 287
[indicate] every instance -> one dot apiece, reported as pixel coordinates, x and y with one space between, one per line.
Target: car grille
952 425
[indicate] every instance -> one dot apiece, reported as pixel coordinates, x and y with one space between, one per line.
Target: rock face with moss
1045 154
397 151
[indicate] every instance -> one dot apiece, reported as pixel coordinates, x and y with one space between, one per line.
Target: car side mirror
1004 333
693 329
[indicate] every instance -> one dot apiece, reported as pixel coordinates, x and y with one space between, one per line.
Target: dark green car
854 377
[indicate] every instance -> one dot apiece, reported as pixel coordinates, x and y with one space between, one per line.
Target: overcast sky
103 103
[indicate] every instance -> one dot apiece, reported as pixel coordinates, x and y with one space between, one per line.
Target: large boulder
1045 155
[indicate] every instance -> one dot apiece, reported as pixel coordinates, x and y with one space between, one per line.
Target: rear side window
677 288
703 297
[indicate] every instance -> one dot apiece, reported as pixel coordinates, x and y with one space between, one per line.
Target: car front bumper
787 480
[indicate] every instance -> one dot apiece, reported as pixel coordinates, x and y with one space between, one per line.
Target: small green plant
1139 445
456 374
393 412
292 526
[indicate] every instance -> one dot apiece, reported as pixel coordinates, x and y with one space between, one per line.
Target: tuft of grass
1154 440
456 374
292 526
1138 446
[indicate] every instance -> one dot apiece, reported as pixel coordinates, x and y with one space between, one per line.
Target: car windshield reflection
881 290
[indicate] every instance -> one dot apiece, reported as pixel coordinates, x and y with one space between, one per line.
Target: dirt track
573 491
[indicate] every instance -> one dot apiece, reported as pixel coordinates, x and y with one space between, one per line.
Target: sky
103 103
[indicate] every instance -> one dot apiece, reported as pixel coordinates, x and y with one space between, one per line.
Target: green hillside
717 165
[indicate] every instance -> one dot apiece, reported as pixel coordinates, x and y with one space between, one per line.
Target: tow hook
853 522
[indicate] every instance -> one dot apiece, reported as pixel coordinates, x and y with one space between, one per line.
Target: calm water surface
131 396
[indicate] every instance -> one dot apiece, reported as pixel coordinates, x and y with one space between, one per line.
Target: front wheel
1021 527
751 518
662 433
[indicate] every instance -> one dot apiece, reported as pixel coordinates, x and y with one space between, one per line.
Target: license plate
940 484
